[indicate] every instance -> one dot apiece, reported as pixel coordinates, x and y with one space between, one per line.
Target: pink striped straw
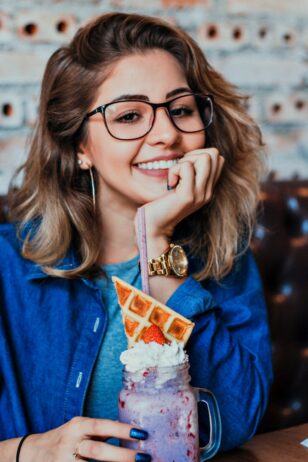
142 243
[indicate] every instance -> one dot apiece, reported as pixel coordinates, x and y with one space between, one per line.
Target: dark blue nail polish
138 434
141 457
169 187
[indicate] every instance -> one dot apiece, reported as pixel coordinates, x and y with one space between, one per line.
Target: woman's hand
192 181
86 438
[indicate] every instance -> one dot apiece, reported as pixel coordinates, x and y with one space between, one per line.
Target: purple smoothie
161 401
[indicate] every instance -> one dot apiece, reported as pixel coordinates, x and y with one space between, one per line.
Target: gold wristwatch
172 262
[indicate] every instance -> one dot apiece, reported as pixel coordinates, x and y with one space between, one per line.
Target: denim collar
34 271
70 261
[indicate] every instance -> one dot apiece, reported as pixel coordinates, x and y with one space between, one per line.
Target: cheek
116 155
197 141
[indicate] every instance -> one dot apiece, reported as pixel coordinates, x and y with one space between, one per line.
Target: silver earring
80 162
92 187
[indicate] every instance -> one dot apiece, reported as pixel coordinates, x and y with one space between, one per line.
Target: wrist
28 449
156 246
158 233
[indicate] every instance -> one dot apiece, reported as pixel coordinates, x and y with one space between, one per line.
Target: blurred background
260 46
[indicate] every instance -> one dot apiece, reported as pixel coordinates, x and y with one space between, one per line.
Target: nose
163 131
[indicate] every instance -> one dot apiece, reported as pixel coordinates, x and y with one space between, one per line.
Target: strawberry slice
154 334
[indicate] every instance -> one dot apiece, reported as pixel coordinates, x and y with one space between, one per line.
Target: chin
154 195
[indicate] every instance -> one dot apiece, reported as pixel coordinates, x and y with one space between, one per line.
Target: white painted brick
12 154
272 36
304 36
6 34
255 69
275 7
286 36
254 107
43 26
23 67
288 152
31 110
135 4
287 108
179 3
255 34
193 17
264 35
128 5
223 35
11 110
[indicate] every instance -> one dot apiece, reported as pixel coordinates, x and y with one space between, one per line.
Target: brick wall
260 46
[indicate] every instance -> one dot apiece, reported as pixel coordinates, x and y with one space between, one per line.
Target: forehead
153 74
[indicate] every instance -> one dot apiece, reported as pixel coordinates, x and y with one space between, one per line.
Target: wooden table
279 446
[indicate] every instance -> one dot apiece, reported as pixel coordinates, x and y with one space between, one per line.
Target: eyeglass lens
133 119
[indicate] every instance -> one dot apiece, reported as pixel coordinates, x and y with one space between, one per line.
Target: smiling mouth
158 165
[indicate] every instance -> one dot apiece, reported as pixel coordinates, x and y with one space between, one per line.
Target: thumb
173 178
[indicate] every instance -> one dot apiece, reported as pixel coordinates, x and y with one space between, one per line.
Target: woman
131 114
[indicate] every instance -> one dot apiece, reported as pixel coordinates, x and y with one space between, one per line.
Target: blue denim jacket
51 330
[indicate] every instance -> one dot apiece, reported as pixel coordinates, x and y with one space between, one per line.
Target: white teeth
162 164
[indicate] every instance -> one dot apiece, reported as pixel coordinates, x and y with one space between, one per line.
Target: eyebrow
175 92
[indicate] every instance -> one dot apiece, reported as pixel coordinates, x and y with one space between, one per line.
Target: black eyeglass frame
102 110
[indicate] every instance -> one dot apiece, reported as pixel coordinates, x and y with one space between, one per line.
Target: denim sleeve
230 347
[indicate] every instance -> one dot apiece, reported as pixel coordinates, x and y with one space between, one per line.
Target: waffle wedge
140 310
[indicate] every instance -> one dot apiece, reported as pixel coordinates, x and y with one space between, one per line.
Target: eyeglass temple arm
95 111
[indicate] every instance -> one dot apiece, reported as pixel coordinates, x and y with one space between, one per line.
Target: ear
83 159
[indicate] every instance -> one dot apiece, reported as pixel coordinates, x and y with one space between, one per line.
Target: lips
160 172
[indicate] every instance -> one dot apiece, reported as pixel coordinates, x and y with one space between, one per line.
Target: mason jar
161 401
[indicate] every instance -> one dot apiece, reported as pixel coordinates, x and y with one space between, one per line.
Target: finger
206 167
203 169
206 162
221 163
105 428
211 181
195 154
182 176
91 449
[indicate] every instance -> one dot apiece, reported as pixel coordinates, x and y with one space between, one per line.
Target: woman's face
123 180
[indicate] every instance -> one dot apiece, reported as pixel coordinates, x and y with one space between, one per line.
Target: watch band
159 266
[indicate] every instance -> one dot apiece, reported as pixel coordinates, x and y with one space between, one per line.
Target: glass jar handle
206 397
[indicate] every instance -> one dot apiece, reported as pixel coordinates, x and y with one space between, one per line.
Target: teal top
106 379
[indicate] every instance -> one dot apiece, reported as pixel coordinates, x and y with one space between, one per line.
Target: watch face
178 260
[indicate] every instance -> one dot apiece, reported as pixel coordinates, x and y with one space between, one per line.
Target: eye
181 111
128 117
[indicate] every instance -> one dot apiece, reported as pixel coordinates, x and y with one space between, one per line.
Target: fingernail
169 187
142 457
138 434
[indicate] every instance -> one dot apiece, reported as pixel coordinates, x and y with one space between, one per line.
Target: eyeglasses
133 119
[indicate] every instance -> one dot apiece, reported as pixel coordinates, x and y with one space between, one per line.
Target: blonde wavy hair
55 194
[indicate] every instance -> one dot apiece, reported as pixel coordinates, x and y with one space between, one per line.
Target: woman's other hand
85 437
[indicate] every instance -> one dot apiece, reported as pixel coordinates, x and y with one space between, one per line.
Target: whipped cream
144 355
